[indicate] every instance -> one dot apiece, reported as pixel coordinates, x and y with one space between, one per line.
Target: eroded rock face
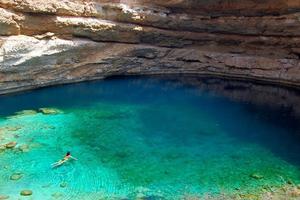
52 42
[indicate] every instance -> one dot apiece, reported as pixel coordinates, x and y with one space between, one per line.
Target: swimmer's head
68 153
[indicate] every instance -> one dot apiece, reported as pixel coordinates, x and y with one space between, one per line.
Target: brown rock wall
50 42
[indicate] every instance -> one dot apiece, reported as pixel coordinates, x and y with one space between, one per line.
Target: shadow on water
277 106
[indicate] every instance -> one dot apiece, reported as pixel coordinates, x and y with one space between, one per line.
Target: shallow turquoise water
145 137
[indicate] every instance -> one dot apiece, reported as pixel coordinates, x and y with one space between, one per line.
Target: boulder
10 145
49 111
16 176
14 128
26 192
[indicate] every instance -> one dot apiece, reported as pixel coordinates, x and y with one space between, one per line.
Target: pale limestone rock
61 61
40 45
19 49
8 23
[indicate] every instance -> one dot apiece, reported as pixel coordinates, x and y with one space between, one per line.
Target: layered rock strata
52 42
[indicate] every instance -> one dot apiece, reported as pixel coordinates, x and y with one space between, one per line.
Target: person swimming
64 160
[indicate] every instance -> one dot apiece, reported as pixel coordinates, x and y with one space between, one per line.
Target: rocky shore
54 42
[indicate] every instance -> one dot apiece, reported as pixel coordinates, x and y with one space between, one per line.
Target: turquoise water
147 138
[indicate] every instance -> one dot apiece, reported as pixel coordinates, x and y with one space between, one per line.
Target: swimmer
64 160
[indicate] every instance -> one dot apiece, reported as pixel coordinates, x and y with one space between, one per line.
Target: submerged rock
26 192
63 184
24 148
256 176
48 127
50 111
249 196
57 195
47 185
10 145
2 148
141 196
6 167
290 182
25 112
36 145
3 197
14 128
295 192
16 176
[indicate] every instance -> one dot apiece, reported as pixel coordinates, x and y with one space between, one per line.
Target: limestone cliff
60 41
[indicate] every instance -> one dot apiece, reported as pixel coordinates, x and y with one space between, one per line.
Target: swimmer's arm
73 158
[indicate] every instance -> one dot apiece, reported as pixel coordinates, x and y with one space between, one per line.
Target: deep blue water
155 136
